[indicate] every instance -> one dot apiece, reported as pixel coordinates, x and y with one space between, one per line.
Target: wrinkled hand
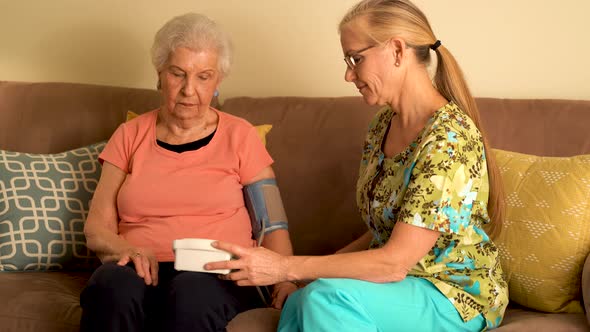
254 266
145 264
280 293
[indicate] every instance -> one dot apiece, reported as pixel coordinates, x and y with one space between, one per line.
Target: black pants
117 299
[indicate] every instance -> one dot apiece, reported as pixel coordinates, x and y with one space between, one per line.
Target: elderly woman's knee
113 278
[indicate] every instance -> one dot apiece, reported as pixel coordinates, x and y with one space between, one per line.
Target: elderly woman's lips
187 104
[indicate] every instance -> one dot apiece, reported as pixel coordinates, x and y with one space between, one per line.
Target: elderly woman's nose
189 87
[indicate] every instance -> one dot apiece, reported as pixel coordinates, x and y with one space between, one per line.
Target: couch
316 143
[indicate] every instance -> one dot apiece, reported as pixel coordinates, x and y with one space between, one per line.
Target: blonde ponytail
450 82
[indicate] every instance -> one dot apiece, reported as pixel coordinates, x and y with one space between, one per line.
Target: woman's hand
254 266
145 264
280 293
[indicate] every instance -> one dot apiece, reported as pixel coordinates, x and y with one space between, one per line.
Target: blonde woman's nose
349 74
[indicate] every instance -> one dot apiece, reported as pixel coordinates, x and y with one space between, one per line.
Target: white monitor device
193 254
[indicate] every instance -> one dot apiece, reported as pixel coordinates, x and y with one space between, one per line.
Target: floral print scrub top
439 182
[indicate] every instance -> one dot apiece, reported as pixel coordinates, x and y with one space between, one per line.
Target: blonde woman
428 190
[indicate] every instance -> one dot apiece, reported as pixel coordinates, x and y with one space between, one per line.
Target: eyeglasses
354 58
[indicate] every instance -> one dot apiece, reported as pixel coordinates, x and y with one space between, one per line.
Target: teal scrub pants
341 305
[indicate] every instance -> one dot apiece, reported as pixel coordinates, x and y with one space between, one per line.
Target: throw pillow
43 205
546 234
262 130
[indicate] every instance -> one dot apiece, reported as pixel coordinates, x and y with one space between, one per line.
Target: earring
397 64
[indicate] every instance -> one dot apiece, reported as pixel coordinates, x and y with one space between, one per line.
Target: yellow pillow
131 115
546 234
262 130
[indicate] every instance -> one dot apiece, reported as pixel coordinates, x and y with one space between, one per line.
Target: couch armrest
586 287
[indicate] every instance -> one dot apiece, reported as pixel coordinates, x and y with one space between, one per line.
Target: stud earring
397 64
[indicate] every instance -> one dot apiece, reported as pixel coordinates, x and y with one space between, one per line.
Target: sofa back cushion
543 127
316 144
56 117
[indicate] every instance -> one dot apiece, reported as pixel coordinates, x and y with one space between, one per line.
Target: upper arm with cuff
265 207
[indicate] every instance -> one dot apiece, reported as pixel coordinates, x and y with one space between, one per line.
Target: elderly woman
176 172
428 190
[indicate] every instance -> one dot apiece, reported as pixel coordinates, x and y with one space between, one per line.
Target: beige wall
521 49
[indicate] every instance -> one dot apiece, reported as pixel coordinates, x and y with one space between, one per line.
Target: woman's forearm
371 265
278 241
101 226
406 246
105 243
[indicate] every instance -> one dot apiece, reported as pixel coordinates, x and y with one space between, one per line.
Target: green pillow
43 205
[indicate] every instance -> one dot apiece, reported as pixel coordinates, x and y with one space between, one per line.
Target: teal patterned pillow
43 205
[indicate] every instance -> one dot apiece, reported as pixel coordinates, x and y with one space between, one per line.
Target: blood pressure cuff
265 207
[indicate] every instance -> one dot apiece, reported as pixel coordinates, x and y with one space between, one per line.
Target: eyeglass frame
349 59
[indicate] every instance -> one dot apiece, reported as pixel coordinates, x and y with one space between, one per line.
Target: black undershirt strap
190 146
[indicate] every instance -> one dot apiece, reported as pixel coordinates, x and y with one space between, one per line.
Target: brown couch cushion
319 140
518 319
255 320
41 301
316 144
542 127
586 287
56 117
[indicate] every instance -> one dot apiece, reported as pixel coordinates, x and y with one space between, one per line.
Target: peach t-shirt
194 194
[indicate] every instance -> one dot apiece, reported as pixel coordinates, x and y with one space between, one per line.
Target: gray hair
193 31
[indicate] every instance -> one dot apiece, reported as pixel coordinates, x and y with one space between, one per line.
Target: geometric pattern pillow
546 234
43 205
